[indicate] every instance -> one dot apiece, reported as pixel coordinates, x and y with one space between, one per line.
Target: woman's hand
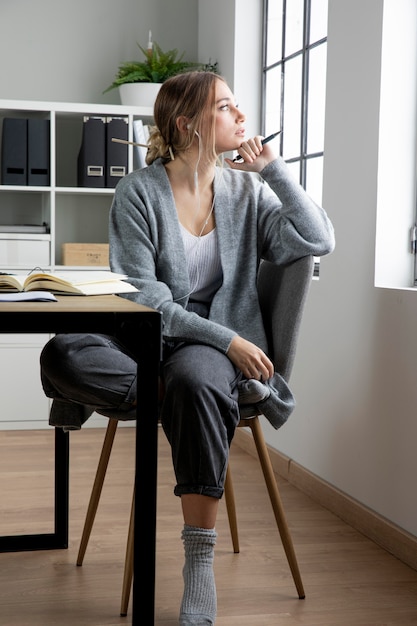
251 360
255 155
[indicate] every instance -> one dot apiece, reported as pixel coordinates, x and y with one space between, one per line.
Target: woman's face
229 120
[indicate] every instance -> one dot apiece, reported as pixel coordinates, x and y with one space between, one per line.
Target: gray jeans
199 411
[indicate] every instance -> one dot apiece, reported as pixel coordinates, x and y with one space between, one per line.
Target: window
294 82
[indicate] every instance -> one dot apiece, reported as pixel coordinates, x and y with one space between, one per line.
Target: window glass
294 167
274 32
273 101
292 107
314 178
318 20
316 103
294 20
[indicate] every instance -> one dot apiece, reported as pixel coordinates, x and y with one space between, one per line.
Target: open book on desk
78 283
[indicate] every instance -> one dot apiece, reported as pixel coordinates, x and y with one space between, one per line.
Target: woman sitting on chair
190 233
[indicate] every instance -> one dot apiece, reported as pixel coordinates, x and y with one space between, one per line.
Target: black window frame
304 156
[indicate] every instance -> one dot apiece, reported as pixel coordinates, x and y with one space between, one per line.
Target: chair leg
276 502
128 573
97 487
231 510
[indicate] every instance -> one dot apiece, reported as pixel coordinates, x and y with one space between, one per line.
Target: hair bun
157 147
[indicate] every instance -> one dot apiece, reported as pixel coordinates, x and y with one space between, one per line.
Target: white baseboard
392 538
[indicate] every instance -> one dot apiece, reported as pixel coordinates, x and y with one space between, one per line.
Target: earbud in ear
188 126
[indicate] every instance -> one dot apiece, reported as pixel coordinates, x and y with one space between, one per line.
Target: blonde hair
191 95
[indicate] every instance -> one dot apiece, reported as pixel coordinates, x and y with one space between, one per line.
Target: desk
141 328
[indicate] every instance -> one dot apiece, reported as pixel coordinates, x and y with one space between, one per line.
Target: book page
104 288
25 296
71 278
83 277
11 282
87 288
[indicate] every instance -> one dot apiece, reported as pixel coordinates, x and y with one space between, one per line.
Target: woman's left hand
251 360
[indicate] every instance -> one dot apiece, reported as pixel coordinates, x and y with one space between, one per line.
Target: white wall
231 33
355 423
70 51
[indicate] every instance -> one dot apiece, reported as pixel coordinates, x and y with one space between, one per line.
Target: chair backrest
283 291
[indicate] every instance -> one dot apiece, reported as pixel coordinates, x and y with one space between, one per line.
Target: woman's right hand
251 360
255 156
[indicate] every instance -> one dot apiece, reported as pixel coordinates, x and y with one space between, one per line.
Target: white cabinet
24 405
71 214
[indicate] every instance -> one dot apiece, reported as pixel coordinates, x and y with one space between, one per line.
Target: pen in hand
264 141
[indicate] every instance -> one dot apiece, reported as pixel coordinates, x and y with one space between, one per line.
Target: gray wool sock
199 602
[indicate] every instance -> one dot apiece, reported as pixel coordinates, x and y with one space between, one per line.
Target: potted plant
139 81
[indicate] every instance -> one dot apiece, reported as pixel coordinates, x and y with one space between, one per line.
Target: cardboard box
85 254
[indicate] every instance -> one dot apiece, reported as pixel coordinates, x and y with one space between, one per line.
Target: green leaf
156 68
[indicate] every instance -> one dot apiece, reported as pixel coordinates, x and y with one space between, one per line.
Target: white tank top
203 263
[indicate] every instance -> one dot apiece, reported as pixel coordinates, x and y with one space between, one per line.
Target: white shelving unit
74 214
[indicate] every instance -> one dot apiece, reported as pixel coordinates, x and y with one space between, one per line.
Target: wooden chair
282 293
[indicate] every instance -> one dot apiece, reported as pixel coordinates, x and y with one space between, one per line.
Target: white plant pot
139 94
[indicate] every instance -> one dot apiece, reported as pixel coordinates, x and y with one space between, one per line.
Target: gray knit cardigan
269 216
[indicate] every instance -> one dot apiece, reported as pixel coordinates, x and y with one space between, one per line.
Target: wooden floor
349 581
